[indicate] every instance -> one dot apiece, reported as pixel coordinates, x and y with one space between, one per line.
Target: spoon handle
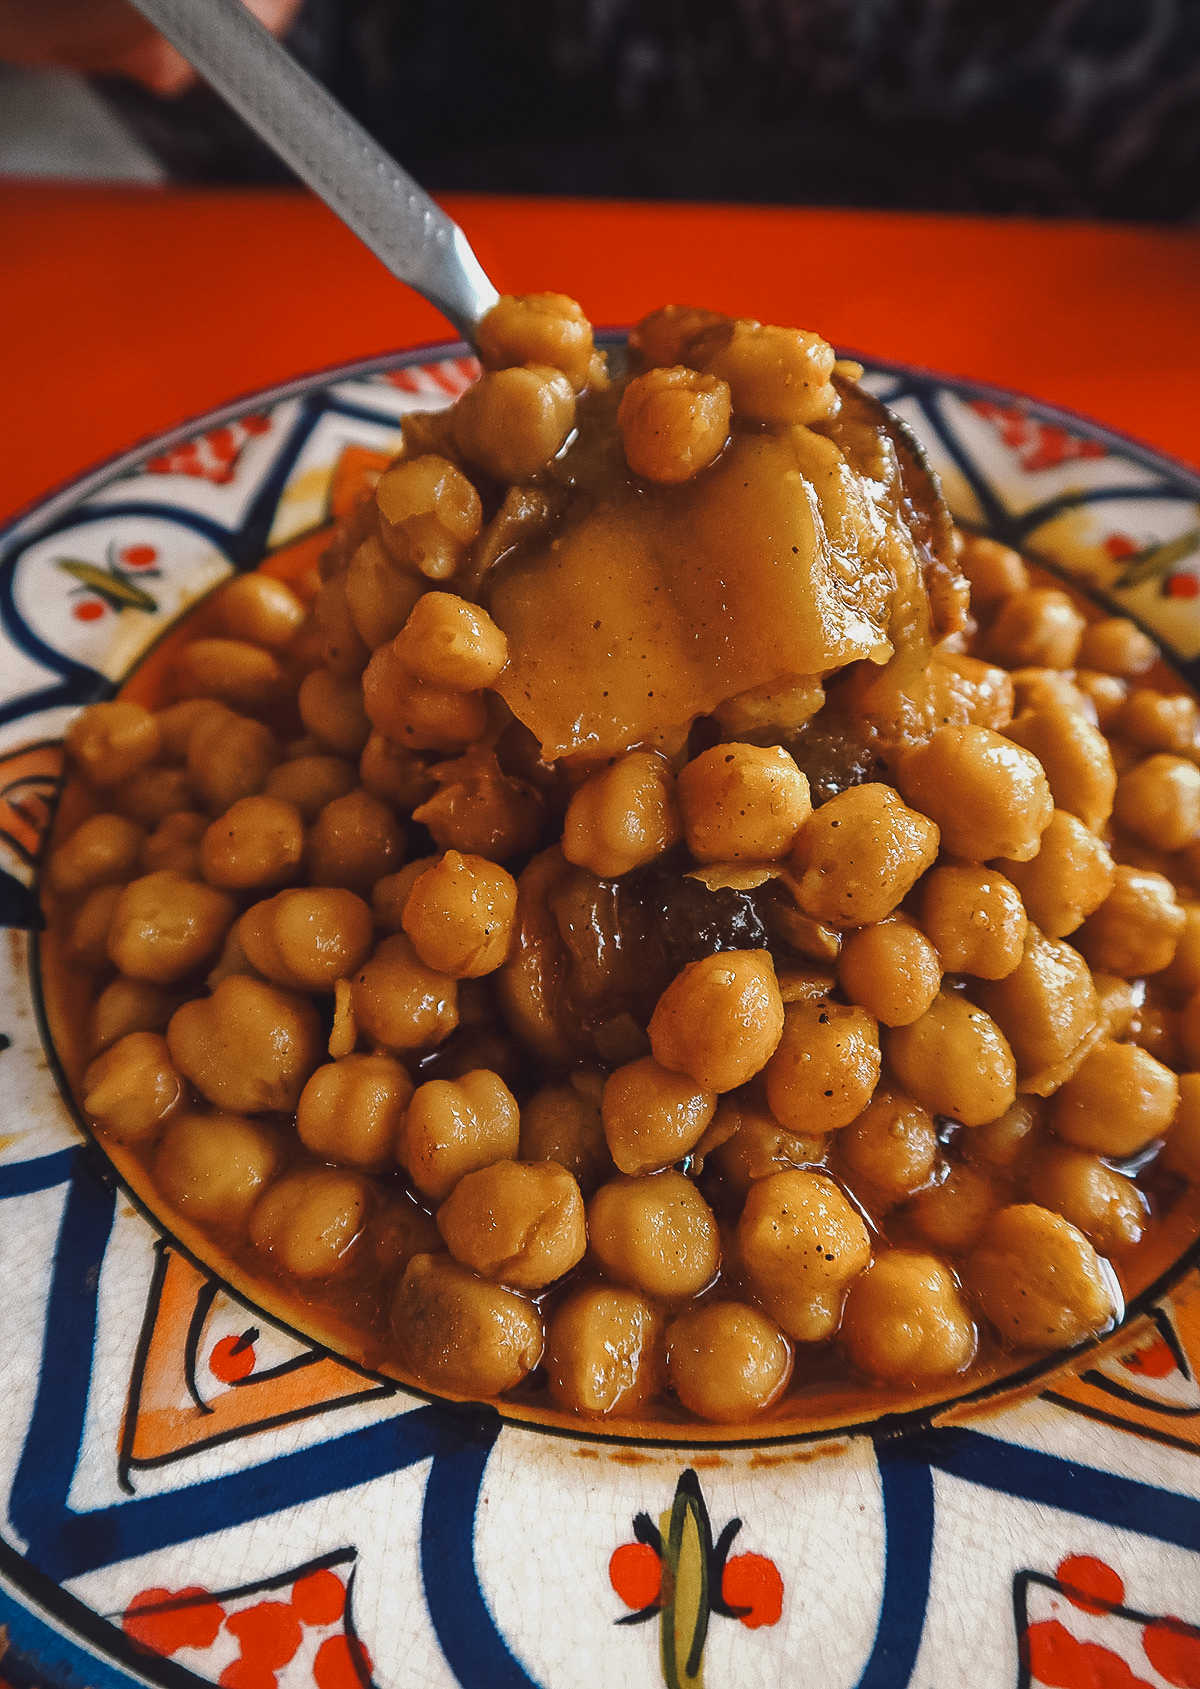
326 148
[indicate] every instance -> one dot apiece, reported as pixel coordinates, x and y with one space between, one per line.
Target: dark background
1030 107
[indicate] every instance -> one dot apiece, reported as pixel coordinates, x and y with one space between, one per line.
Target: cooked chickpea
975 918
1119 1100
125 1006
380 593
401 1003
1159 721
308 783
213 1166
175 843
351 1111
623 817
720 1019
457 1126
825 1066
331 707
177 723
1040 625
229 757
674 422
1038 1279
308 937
110 742
450 643
955 1060
520 1223
461 915
1105 692
257 842
248 1048
1135 930
726 1361
892 1145
428 514
1047 1007
653 1117
1181 1152
482 811
461 1334
1105 1206
1076 758
311 1221
988 796
670 334
132 1088
537 328
655 1234
951 1215
258 608
1003 1143
1159 802
860 854
165 927
1184 971
340 645
88 928
891 970
743 802
100 851
153 793
563 1123
235 672
353 842
602 1350
416 716
757 1146
995 571
972 690
393 774
905 1320
1115 645
1048 689
513 421
776 374
802 1245
1067 880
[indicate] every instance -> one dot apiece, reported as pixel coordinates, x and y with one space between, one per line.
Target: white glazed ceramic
191 1494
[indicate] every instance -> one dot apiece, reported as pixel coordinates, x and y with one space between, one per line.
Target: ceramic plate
191 1494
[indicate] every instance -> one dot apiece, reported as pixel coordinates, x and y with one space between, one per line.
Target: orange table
129 309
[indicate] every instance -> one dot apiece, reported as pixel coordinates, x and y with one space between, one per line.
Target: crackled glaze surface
192 1494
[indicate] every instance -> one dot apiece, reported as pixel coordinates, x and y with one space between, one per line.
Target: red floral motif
452 377
161 1621
1058 1659
1173 1649
753 1585
213 456
88 610
269 1635
341 1663
1038 445
635 1572
1090 1584
1151 1360
232 1357
1061 1661
1181 586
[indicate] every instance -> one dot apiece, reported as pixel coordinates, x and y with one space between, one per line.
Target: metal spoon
326 148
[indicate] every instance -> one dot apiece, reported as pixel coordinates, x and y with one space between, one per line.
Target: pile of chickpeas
397 1012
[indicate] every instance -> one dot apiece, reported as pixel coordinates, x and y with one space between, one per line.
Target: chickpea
213 1166
461 915
891 970
175 843
1135 930
975 919
892 1145
987 796
973 691
353 842
520 1223
743 802
1067 880
563 1123
307 938
802 1245
906 1321
653 1117
1158 721
390 894
457 1126
623 817
125 1006
995 571
110 742
450 643
258 608
756 1147
244 676
537 328
955 1060
308 783
482 811
670 334
860 854
1105 692
380 593
601 1350
1003 1143
311 1221
229 757
89 927
1038 1279
1181 1152
429 513
513 421
1184 971
674 422
1119 1100
1048 689
950 1216
776 374
460 1334
399 1002
825 1067
1105 1206
416 716
394 775
165 927
1076 758
340 646
132 1088
720 1019
1038 626
351 1111
257 842
331 707
177 722
655 1234
1159 802
249 1048
153 793
1116 645
726 1361
1046 1007
102 850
